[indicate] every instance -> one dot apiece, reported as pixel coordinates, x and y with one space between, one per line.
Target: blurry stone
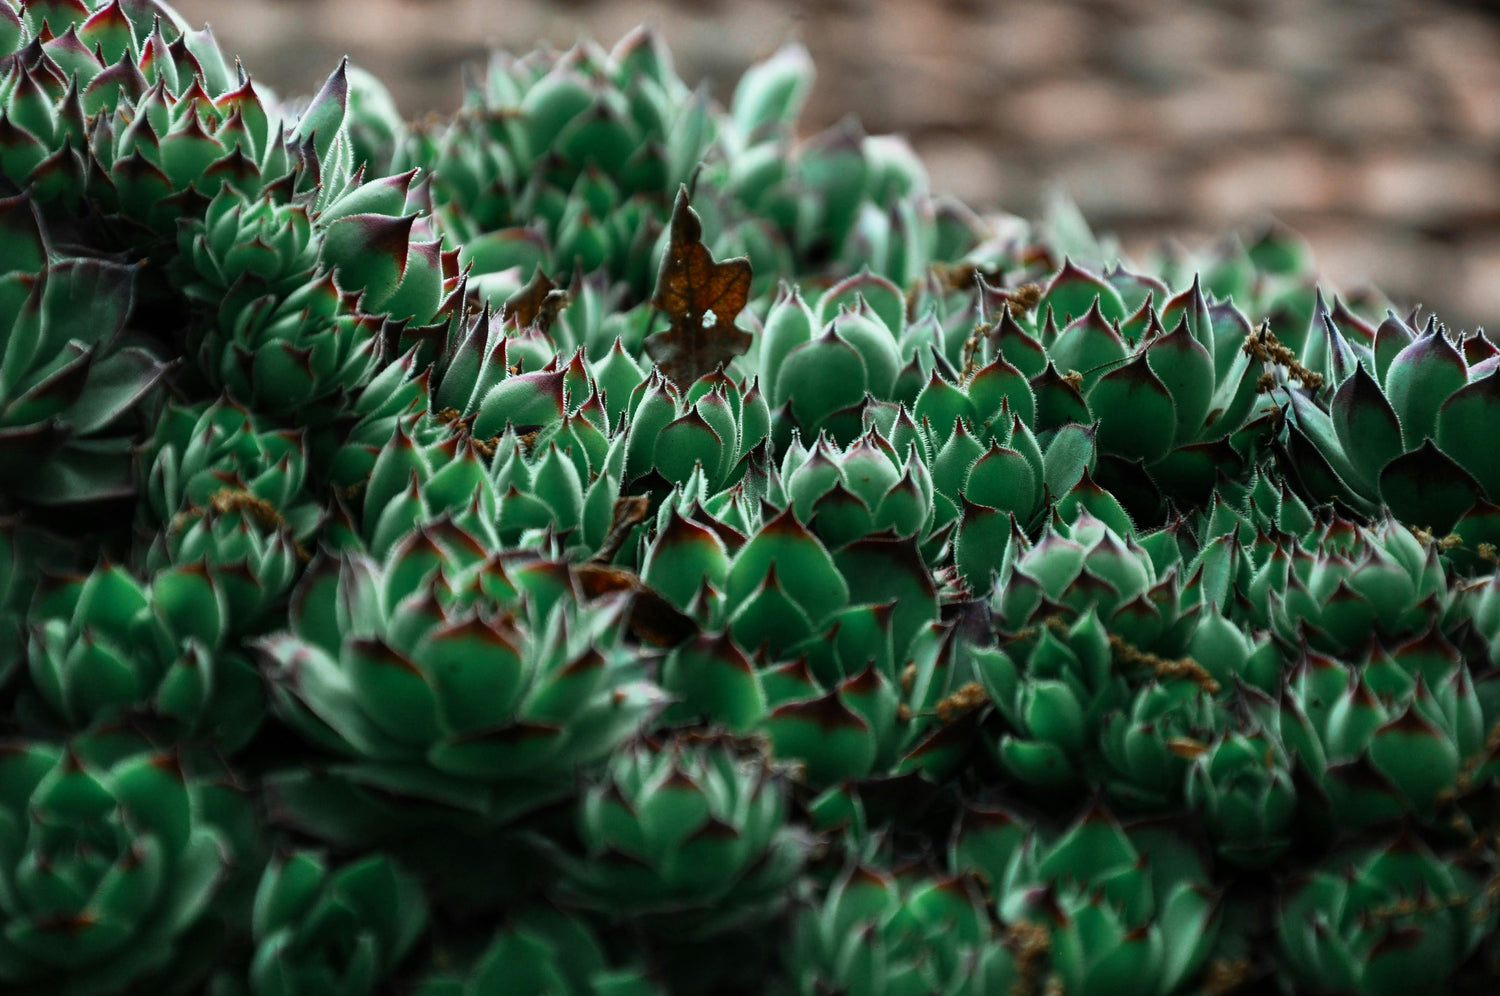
1035 39
1223 105
1478 294
976 176
1373 105
1122 184
1277 177
1165 49
1064 113
1423 185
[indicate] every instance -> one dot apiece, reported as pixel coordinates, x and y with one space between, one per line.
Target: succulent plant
562 481
1054 701
1126 915
72 383
716 424
1170 388
1241 785
1148 744
73 68
221 455
1384 919
252 559
103 646
583 147
692 832
1087 564
1343 586
562 143
332 930
292 354
888 932
345 450
1386 740
850 493
1400 429
538 952
253 247
147 122
473 684
299 291
108 873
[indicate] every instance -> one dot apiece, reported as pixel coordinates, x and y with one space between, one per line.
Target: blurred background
1371 126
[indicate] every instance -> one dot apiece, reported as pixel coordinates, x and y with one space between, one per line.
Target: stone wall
1372 126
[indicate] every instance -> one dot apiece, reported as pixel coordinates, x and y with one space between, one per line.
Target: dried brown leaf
701 298
536 304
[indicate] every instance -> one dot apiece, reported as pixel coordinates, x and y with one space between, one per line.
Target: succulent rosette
780 587
716 424
72 384
290 325
344 451
1169 385
264 245
340 931
414 482
820 373
1260 504
1128 912
860 200
218 455
108 871
1388 919
72 68
540 951
846 494
229 494
1241 786
304 352
892 932
527 399
569 159
1391 738
1401 430
148 122
1149 743
1053 701
563 483
473 686
1229 654
104 646
1342 586
566 483
868 725
578 148
252 559
690 833
1087 565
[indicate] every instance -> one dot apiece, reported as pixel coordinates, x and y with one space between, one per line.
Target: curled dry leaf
536 304
653 619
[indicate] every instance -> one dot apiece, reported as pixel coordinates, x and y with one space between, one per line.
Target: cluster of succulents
603 541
